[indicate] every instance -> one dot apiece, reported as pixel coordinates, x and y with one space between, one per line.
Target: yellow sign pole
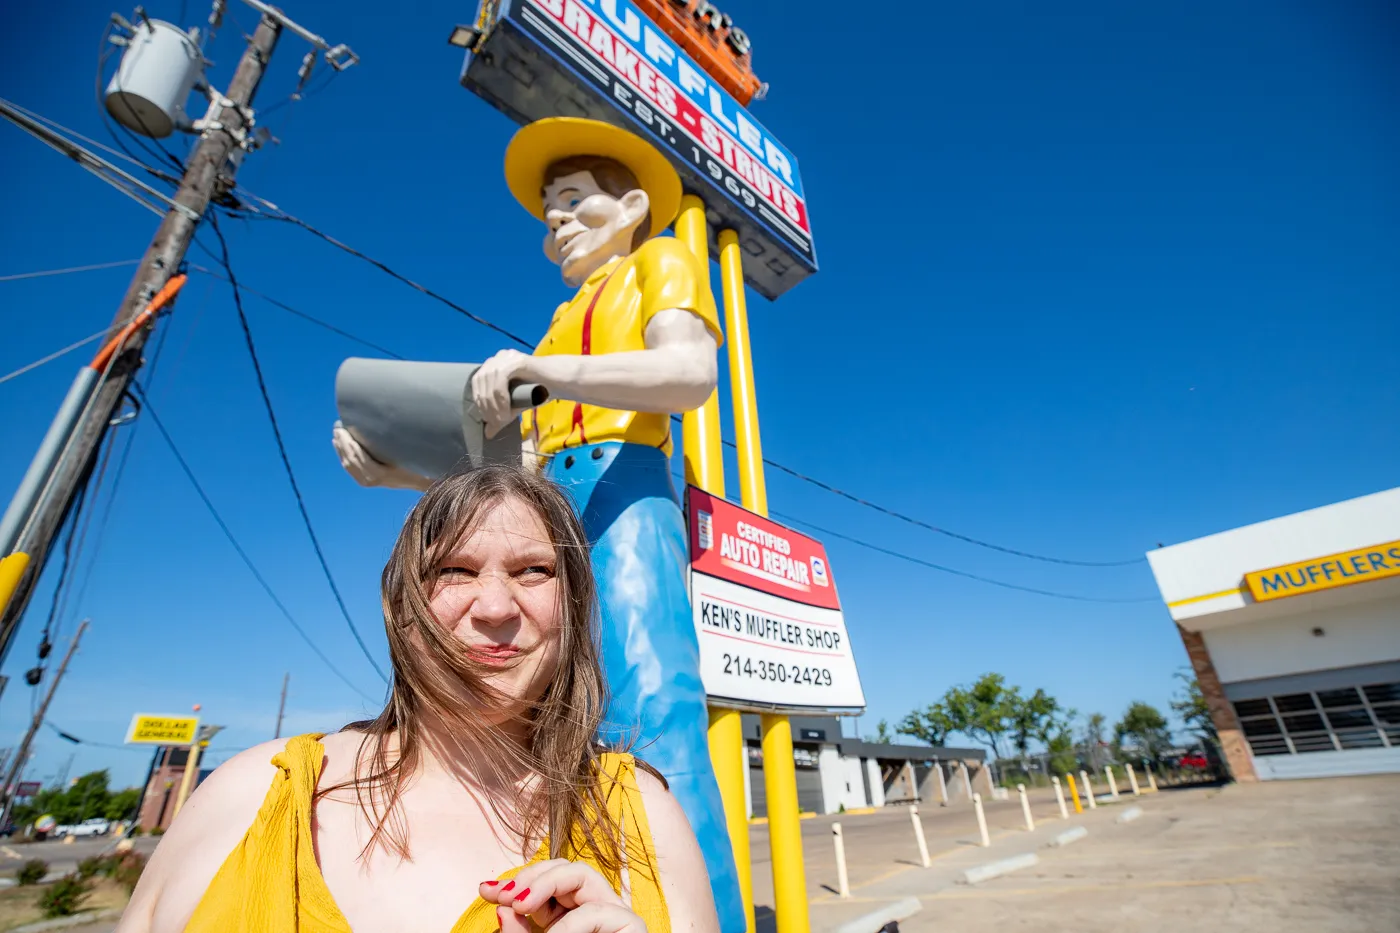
704 467
729 758
700 443
779 773
784 826
187 780
11 572
753 490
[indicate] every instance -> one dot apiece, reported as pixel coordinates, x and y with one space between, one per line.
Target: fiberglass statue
635 344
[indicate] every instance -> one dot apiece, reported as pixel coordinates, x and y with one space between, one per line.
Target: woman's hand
562 897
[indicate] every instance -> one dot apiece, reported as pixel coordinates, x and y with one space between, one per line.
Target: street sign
767 616
28 788
147 729
605 59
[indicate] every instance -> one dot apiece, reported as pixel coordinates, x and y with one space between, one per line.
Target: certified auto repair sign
766 613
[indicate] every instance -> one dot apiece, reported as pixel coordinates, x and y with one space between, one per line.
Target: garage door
1319 733
809 790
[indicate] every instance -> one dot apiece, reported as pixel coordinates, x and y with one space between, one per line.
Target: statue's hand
366 470
491 387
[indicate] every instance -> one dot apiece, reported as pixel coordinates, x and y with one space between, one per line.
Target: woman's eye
457 573
536 574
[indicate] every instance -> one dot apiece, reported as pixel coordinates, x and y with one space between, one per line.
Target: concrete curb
1128 815
875 920
63 923
997 869
1068 836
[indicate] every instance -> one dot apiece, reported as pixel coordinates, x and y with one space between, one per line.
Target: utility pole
282 705
22 755
208 168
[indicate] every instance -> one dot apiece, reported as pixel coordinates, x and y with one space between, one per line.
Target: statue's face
588 226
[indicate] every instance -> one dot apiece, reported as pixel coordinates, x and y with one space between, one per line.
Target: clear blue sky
1094 277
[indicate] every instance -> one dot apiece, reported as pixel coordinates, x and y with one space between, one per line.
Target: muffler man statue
635 344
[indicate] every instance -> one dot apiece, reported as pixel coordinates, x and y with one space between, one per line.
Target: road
63 857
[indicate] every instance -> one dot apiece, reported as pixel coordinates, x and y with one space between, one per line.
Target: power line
297 221
282 451
797 474
70 737
238 548
937 530
301 314
51 357
100 265
827 532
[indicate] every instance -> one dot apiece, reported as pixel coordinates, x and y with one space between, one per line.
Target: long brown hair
435 677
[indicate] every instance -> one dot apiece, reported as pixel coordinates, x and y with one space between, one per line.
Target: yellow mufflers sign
1325 573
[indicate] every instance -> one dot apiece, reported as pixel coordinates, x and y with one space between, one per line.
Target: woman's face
497 592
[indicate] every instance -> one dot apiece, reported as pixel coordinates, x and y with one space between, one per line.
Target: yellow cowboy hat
536 146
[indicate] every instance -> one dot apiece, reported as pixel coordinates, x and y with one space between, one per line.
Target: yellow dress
271 883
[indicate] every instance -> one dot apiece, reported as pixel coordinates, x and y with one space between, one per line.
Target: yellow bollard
12 570
728 756
784 826
1074 794
700 435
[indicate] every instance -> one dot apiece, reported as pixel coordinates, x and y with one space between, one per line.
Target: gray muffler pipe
421 416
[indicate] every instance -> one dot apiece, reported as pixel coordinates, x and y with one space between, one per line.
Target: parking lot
1274 858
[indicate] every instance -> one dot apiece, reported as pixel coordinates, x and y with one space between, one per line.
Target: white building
836 772
1293 628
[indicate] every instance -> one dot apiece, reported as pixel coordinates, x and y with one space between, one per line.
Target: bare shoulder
209 826
684 878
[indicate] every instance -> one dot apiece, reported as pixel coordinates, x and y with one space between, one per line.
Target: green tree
1144 728
1063 759
930 725
1094 725
122 804
1190 705
87 797
983 711
1037 717
882 734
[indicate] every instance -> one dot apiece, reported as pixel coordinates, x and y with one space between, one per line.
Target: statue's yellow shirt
661 274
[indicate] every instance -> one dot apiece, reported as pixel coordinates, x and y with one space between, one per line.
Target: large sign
767 615
605 59
146 729
1324 573
28 788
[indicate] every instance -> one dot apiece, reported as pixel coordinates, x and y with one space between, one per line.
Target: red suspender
586 348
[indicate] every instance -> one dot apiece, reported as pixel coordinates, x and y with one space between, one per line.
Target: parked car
1194 761
93 827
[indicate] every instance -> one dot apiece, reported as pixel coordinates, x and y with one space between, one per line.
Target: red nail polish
490 884
523 894
508 886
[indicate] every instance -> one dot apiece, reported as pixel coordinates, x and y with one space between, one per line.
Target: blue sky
1094 277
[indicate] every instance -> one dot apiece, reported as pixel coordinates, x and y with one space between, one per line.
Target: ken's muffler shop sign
767 614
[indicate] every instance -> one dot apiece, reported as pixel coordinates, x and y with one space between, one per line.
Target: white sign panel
767 616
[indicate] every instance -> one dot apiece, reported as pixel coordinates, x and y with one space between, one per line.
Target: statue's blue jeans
651 656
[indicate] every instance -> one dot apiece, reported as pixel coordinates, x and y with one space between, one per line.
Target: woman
478 799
